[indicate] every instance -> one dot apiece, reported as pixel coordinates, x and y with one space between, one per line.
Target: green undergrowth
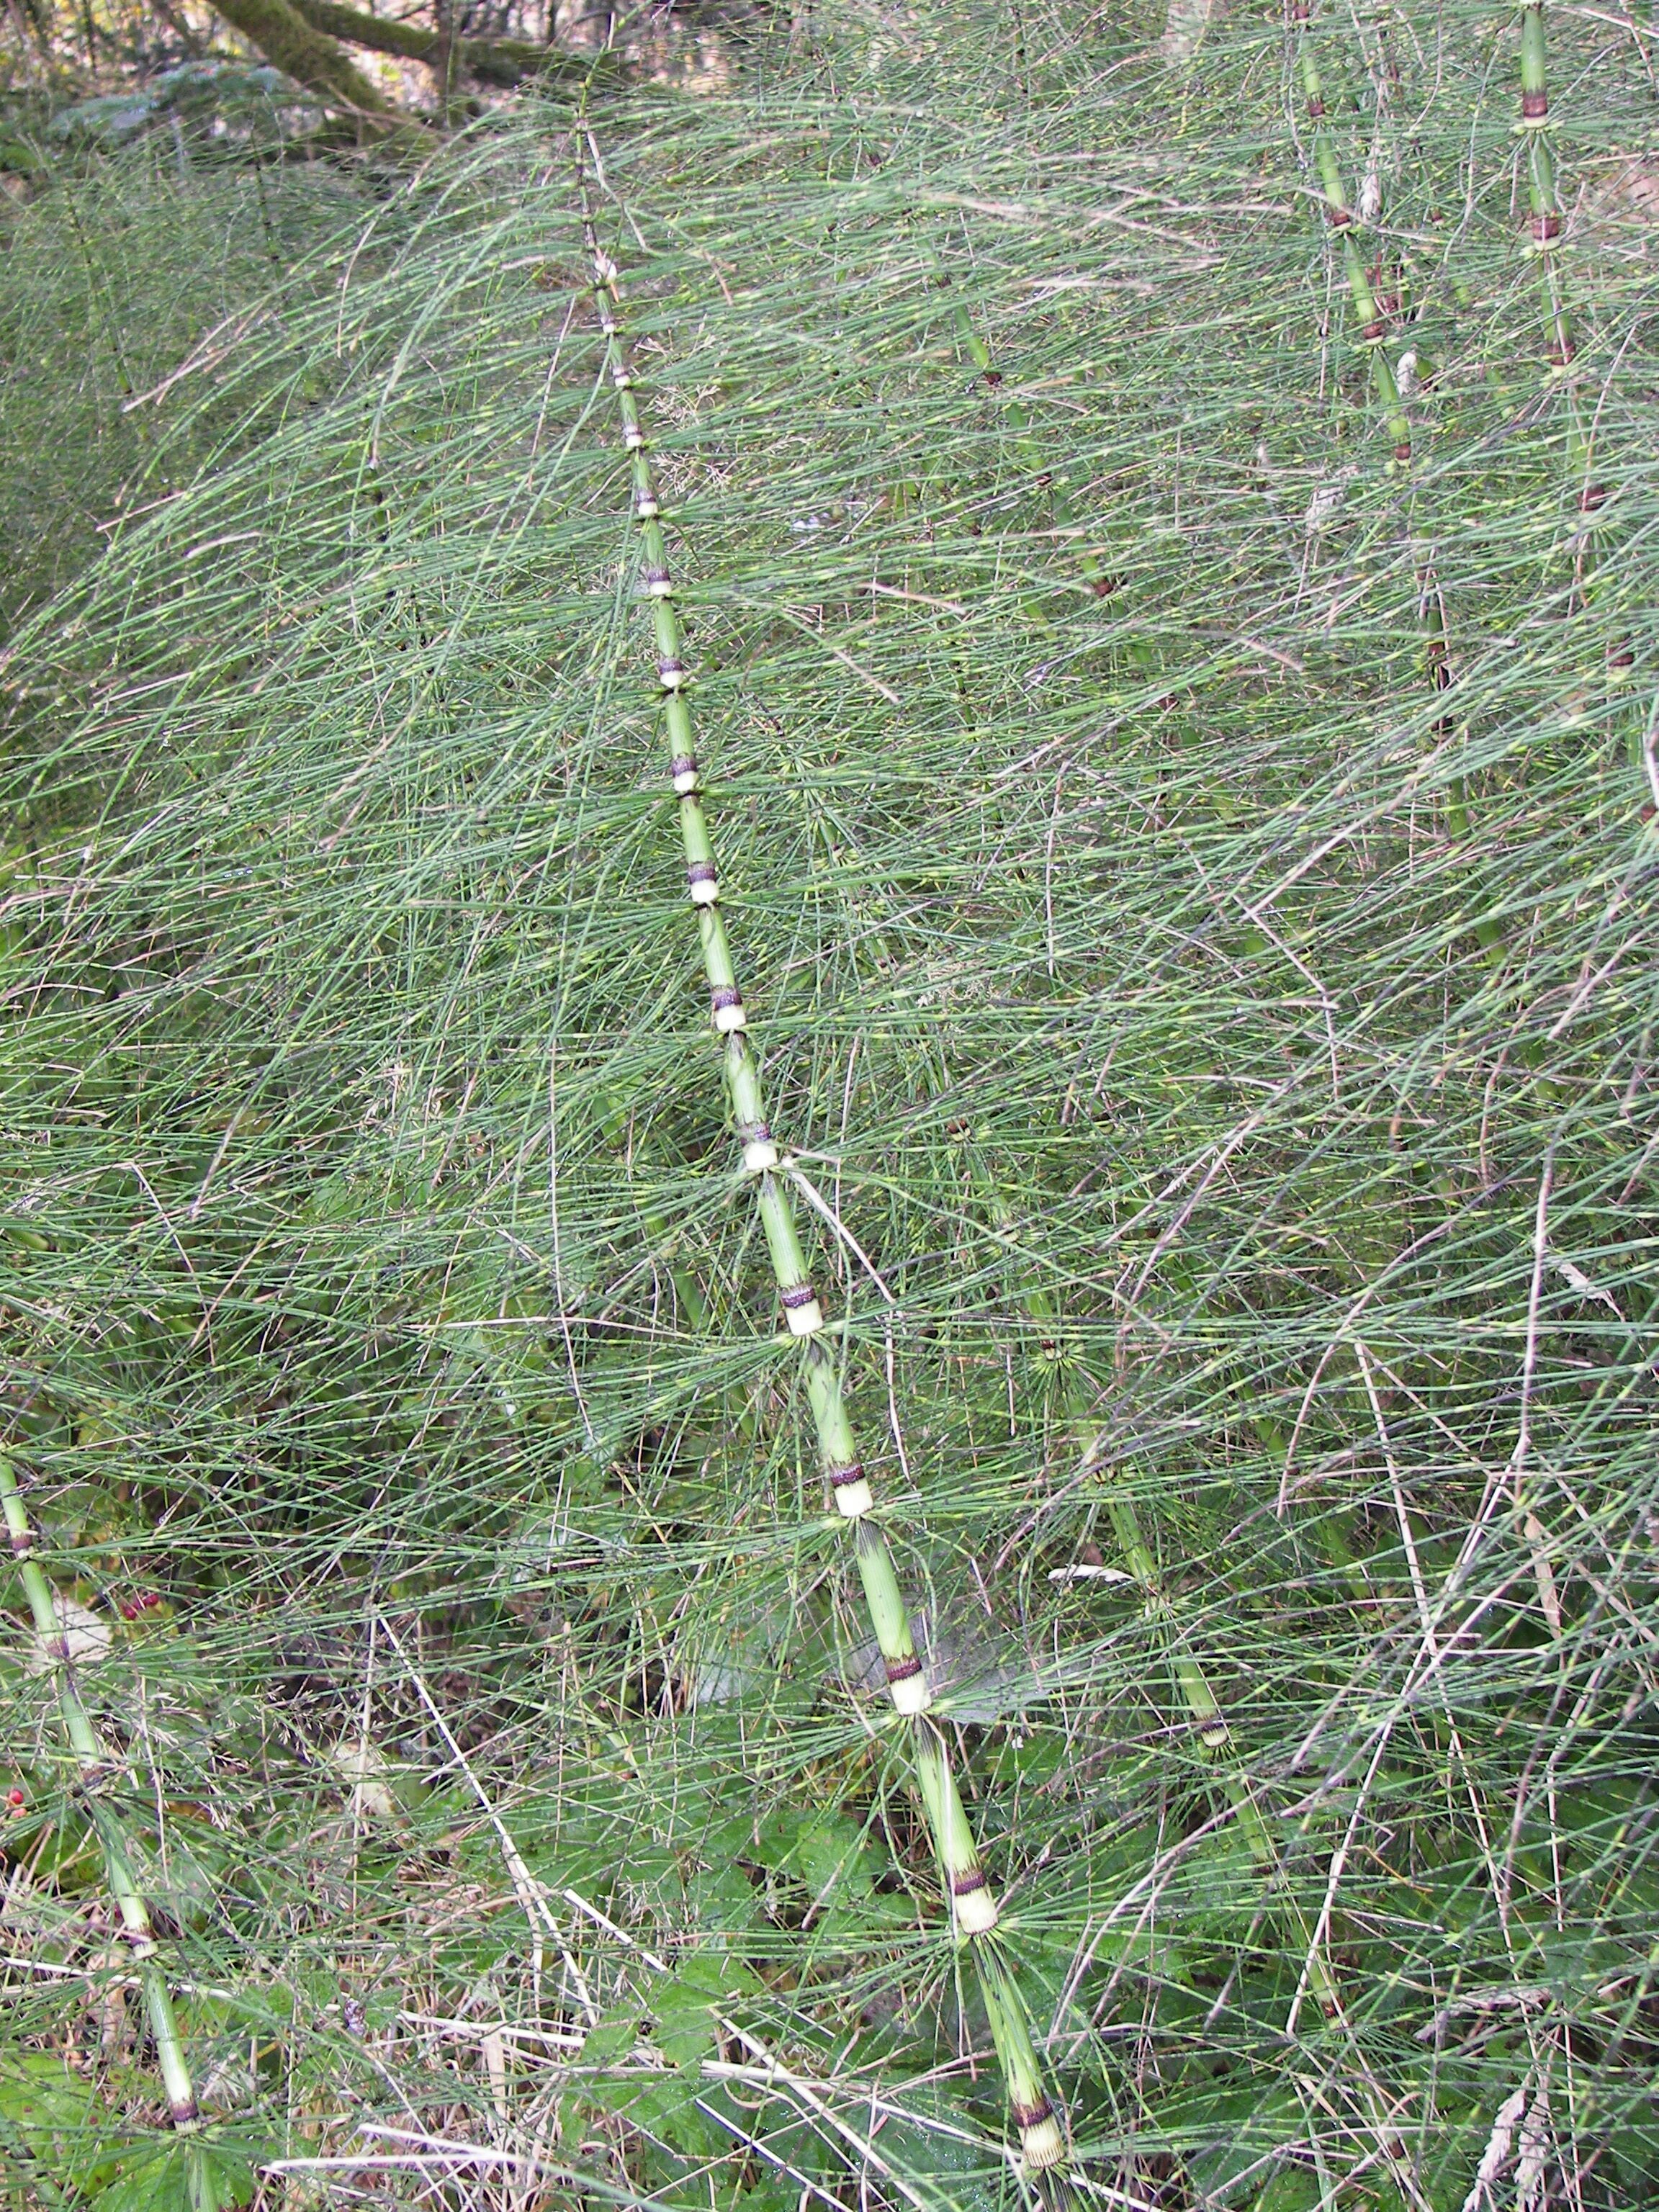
1218 1052
123 275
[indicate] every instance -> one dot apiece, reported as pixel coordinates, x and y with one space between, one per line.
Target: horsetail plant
1370 321
974 1910
1100 581
1081 1427
1543 194
1372 331
208 2185
1544 224
303 841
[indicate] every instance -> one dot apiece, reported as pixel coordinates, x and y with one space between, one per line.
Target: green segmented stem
1543 197
1373 334
136 1924
1431 615
1544 218
1100 582
1371 323
1203 1707
973 1904
1338 213
1209 1721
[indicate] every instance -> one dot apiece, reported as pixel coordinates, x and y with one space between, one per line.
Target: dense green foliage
1215 1023
120 275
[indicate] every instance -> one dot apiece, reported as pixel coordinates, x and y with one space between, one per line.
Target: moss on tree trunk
411 42
306 53
495 61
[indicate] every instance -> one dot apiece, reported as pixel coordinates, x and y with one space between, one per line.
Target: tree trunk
307 54
443 60
179 28
493 61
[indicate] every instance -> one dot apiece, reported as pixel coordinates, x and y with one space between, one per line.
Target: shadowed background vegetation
1190 868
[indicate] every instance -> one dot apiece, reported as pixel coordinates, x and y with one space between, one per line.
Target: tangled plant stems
334 810
972 1905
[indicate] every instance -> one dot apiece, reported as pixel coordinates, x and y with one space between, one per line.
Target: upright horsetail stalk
1099 580
1083 1432
1209 1721
1544 206
1369 316
94 1769
1369 311
973 1904
1543 197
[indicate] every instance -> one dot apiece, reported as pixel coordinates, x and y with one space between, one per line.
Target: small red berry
15 1799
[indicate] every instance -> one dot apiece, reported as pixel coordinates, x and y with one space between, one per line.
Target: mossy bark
307 54
411 42
493 61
